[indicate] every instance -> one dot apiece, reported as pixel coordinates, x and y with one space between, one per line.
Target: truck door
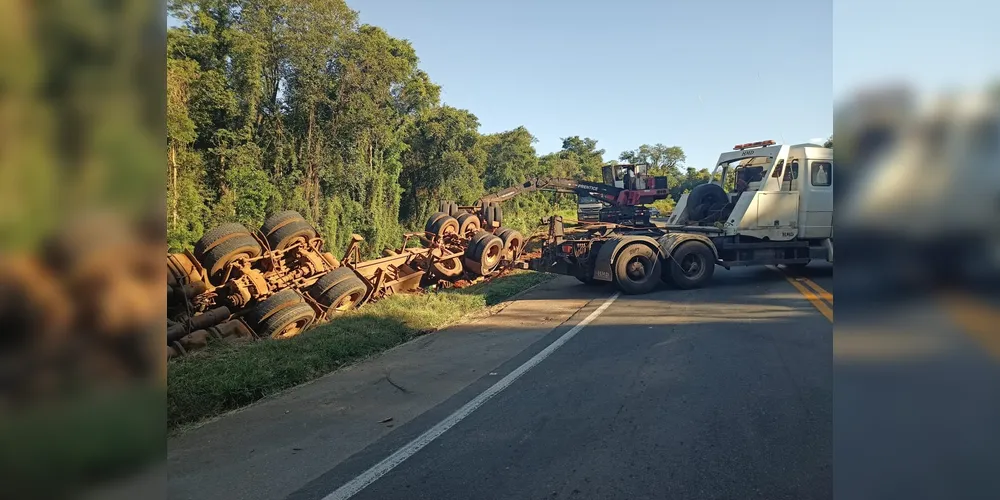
816 211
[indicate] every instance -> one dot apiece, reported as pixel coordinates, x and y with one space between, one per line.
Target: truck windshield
588 200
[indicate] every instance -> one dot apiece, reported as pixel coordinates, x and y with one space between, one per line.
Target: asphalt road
722 393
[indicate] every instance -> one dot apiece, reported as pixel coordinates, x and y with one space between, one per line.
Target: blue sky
702 75
932 45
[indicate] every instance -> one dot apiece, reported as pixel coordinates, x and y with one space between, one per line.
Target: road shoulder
271 448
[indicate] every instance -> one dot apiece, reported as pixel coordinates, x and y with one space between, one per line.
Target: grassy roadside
218 380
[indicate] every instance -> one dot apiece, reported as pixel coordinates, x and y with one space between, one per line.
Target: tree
444 160
662 160
510 158
293 104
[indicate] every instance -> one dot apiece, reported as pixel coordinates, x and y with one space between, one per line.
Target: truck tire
436 216
485 256
692 264
288 322
270 306
450 208
513 243
329 279
279 219
444 226
344 296
468 223
298 231
474 242
448 269
637 269
702 197
222 245
492 216
285 228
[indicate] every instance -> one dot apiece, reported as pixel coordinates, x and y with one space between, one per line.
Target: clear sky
703 75
932 45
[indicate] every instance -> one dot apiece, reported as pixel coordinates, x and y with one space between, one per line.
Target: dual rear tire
484 253
638 269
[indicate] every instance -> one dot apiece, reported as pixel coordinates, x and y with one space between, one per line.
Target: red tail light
567 248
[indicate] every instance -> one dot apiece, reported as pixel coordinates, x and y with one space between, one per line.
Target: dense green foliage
292 104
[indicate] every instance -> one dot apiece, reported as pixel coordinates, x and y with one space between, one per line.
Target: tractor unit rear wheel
468 223
692 264
286 228
221 246
637 269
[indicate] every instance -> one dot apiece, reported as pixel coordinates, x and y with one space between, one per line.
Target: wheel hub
691 266
636 270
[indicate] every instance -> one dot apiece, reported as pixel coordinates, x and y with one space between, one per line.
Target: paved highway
723 392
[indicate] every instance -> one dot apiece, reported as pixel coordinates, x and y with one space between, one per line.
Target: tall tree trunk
173 182
312 182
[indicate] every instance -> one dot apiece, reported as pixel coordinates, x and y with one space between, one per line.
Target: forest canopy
294 104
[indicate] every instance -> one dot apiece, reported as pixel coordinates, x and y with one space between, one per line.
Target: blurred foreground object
921 211
917 337
81 244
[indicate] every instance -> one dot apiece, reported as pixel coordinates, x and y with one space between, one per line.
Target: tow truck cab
767 204
772 193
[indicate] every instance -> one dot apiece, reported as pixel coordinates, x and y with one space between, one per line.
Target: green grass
52 449
226 377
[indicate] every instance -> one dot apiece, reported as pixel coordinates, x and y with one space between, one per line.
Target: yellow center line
977 318
809 295
820 291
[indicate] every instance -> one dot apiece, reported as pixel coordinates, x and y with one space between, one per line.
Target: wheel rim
513 248
492 254
346 303
692 266
637 269
450 264
292 329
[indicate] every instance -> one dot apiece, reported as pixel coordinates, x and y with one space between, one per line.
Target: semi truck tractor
768 204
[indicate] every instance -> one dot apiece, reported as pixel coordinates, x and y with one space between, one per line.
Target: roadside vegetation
226 377
294 104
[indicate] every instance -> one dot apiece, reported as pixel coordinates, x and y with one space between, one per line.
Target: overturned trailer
279 281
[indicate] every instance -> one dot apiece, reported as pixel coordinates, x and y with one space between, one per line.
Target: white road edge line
382 468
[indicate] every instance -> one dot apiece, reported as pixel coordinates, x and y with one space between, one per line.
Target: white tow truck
768 204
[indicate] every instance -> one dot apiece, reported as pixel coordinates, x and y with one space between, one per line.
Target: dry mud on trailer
279 281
